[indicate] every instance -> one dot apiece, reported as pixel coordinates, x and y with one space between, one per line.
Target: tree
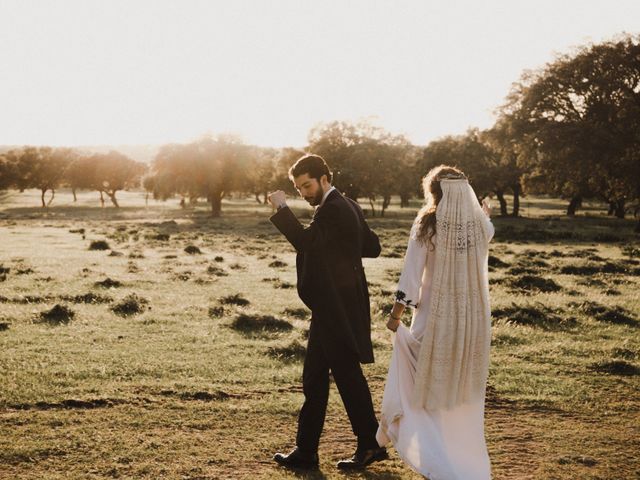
115 171
261 172
364 158
467 152
209 167
577 124
81 174
38 167
8 174
506 173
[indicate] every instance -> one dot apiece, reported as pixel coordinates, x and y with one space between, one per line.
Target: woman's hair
426 218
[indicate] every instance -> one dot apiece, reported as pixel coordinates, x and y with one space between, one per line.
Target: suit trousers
325 354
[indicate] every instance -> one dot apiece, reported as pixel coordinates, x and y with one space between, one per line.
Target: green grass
176 391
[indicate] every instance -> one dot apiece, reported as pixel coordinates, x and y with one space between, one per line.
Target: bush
57 315
496 262
616 367
130 305
217 271
236 299
260 323
216 312
108 283
277 264
602 313
99 245
536 315
192 250
294 352
297 312
87 298
530 284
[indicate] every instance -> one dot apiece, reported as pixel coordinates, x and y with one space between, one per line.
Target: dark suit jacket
331 279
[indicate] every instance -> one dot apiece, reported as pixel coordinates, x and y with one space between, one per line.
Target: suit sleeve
315 236
370 243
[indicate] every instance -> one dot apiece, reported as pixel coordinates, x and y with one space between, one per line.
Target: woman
433 405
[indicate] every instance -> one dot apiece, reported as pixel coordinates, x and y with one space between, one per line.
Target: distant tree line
47 169
570 129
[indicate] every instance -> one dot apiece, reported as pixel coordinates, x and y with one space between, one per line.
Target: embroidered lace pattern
453 362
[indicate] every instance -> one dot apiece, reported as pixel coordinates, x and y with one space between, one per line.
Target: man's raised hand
277 198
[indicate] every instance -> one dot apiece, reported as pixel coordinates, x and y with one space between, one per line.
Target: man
332 283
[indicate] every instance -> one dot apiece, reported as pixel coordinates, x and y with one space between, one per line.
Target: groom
332 283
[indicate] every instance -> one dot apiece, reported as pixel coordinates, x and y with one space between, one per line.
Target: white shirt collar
326 194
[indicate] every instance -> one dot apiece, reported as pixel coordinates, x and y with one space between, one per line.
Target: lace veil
453 361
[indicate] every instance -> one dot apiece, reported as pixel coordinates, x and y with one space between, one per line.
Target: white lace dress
439 444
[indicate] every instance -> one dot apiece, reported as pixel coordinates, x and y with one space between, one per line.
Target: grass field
175 351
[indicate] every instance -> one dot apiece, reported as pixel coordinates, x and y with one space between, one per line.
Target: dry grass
172 391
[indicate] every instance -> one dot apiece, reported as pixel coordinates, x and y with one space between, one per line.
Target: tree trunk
620 208
146 199
73 190
112 196
573 205
53 194
386 201
216 203
373 209
101 199
258 198
503 202
404 200
42 197
517 188
612 208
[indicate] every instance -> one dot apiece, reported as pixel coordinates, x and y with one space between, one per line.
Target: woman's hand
486 207
393 323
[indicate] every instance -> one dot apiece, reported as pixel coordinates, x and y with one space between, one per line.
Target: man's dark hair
314 165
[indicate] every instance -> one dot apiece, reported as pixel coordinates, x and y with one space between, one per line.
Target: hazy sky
130 72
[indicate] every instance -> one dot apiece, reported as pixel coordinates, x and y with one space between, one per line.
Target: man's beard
315 201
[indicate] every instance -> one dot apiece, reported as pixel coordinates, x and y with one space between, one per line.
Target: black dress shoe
362 458
297 460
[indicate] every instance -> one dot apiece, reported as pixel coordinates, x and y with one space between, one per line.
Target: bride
433 404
